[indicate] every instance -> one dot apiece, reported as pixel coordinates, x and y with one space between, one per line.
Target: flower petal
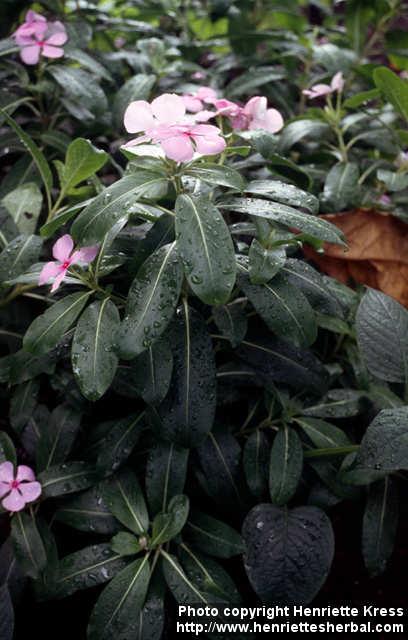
4 488
63 247
85 255
30 490
49 270
337 83
138 116
52 52
271 121
6 472
30 54
209 145
25 473
178 148
14 501
58 280
168 107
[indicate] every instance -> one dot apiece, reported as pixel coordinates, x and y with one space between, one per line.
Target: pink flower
64 258
318 90
164 122
18 489
194 102
37 37
198 75
254 115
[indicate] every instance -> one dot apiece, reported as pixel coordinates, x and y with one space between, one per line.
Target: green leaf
23 402
361 98
264 263
166 472
287 216
18 256
288 552
94 362
47 330
382 328
394 88
284 193
341 186
212 536
208 576
217 175
393 180
49 228
123 496
148 375
36 154
57 437
187 413
24 205
152 299
87 568
168 525
83 96
286 465
65 478
138 87
313 286
27 544
115 203
206 249
256 463
182 588
380 525
299 129
277 360
82 161
88 512
284 309
120 441
125 544
232 321
384 447
338 403
7 450
117 609
220 462
323 434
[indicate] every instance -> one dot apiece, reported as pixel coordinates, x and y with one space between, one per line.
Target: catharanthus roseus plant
202 309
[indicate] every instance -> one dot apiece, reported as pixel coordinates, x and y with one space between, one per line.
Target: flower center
14 484
40 43
65 265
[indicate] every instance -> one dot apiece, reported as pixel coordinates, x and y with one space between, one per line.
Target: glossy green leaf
205 247
394 88
166 472
27 544
24 205
323 434
125 544
87 568
82 161
87 512
180 585
19 254
286 465
313 286
114 203
285 193
123 496
65 478
287 216
152 299
168 525
341 186
208 575
117 609
22 404
212 536
47 330
263 263
187 413
256 463
94 361
232 321
119 442
57 437
380 525
217 175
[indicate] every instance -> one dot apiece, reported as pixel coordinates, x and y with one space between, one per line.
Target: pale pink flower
401 160
254 115
198 75
65 257
195 102
37 37
164 122
319 90
17 490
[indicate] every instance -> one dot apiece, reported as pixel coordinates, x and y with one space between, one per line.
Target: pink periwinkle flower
254 115
198 75
16 490
164 122
65 257
319 90
36 36
195 102
401 160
